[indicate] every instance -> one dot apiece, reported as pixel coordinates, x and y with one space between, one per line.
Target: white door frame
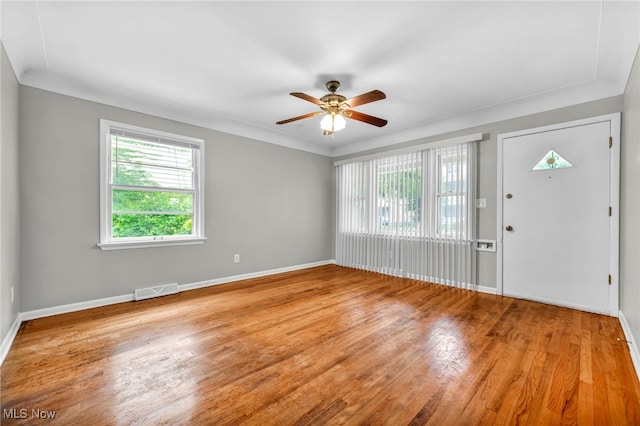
614 188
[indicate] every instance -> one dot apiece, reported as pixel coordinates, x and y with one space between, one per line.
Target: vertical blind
410 214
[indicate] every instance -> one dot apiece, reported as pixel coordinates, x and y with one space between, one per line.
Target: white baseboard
73 307
473 287
230 279
485 289
9 338
80 306
559 303
633 348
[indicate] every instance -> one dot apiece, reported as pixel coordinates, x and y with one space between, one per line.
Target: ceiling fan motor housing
335 104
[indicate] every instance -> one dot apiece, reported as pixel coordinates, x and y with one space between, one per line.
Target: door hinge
610 141
610 211
609 280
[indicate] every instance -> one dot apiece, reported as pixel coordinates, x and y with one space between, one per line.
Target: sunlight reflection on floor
451 352
157 371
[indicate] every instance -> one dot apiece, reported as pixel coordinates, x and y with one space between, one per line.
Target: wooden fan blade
307 98
365 98
311 114
365 118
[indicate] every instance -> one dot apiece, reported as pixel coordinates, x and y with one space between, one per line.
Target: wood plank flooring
326 345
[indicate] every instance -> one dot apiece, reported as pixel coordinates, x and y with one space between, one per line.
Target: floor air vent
162 290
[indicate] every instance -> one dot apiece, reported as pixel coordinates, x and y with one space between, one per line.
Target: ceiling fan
335 107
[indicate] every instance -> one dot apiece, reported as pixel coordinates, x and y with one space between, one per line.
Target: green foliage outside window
144 225
143 213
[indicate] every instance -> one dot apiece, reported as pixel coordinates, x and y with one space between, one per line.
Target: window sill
120 245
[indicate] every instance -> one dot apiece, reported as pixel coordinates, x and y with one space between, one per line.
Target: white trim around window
181 178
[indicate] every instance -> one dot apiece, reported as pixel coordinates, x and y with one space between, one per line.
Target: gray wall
9 202
487 164
630 204
272 205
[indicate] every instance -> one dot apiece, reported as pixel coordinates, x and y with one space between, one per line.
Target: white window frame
438 194
106 240
429 222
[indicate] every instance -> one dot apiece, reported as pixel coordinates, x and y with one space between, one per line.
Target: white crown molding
139 102
33 35
122 98
573 95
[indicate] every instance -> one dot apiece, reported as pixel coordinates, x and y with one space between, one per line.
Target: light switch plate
481 203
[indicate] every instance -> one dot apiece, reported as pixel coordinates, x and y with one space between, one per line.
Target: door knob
509 228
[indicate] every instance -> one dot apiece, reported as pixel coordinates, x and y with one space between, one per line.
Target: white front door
556 226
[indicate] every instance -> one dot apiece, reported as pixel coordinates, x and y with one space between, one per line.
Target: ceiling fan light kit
336 107
332 122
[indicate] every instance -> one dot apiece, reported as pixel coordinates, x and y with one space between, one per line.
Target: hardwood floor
327 345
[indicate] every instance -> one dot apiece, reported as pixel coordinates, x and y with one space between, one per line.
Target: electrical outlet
236 258
12 295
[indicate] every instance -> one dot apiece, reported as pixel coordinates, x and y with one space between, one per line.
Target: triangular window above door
552 160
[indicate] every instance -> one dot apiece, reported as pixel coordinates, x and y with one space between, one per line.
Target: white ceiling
230 65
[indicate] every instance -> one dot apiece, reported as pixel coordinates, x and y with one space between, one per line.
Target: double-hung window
424 194
151 187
